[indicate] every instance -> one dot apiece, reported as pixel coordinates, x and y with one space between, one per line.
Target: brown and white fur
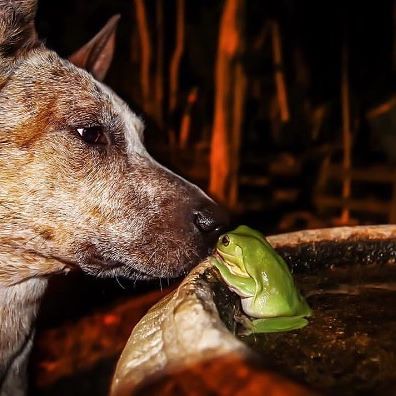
67 202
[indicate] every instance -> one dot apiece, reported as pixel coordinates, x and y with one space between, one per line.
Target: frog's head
230 247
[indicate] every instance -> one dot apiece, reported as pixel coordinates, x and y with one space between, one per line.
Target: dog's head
76 183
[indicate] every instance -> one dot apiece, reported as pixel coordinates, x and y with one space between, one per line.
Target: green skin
253 270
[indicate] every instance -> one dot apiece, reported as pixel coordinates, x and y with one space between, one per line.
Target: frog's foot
274 325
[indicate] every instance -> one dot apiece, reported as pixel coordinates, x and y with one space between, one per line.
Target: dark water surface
349 346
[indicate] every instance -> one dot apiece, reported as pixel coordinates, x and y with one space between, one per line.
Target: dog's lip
68 263
109 264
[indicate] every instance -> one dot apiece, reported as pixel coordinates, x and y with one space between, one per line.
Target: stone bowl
185 344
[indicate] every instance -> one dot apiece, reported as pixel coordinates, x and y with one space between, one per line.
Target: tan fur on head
108 205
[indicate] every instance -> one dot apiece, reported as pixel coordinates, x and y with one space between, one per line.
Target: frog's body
253 270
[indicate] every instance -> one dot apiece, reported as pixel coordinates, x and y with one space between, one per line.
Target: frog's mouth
233 263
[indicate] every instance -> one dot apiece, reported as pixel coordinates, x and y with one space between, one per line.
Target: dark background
318 28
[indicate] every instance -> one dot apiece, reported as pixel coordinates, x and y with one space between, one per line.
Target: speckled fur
111 210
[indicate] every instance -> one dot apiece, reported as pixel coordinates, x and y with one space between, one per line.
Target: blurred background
282 110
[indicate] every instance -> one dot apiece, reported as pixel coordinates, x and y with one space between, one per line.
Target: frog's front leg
279 324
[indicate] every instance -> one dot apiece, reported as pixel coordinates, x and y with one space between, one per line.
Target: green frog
252 269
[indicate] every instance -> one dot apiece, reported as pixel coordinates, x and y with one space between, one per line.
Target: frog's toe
274 325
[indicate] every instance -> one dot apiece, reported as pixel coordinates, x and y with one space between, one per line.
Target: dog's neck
18 309
23 280
19 305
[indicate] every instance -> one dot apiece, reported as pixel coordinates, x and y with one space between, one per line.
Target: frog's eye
225 240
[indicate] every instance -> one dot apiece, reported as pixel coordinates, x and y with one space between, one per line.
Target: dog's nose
211 221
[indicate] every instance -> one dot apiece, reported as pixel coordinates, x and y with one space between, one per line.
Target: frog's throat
234 264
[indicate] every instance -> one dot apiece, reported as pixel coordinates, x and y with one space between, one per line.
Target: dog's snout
211 220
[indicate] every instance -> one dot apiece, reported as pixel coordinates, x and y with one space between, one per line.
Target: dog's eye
93 135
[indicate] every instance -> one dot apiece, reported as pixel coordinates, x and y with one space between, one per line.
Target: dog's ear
96 55
17 30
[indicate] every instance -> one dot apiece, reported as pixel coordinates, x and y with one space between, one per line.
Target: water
349 346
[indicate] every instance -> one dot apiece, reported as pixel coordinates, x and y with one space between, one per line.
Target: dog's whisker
118 281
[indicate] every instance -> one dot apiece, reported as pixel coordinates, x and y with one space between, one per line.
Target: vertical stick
280 83
237 116
225 139
346 134
159 72
302 76
185 125
175 63
394 35
134 54
145 48
177 55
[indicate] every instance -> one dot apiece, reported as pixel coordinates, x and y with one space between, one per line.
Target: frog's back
280 296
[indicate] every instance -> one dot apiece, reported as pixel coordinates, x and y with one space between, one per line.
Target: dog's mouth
107 267
108 263
114 262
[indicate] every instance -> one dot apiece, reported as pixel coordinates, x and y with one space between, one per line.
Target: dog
77 186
